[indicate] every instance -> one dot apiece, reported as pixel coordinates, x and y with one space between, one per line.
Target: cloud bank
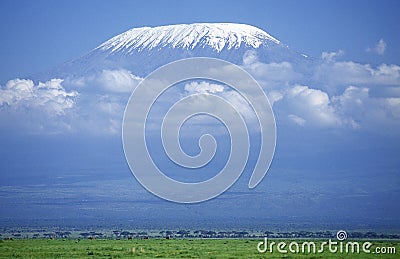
330 93
44 107
49 97
338 94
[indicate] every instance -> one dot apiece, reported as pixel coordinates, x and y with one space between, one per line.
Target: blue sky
38 35
338 126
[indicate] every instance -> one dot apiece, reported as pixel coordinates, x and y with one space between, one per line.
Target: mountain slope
216 36
141 50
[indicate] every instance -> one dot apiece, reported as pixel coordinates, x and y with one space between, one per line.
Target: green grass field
162 248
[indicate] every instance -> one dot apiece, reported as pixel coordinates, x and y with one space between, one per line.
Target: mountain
215 36
141 50
63 159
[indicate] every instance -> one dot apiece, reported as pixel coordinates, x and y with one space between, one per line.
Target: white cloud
274 96
100 106
49 108
241 105
45 107
363 111
352 104
331 93
393 105
379 48
203 87
231 96
306 105
49 97
120 81
250 57
296 119
112 81
338 75
269 74
331 56
107 113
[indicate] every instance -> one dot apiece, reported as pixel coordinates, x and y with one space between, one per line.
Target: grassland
161 248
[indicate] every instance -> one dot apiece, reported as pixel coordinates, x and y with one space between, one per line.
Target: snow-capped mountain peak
218 36
141 50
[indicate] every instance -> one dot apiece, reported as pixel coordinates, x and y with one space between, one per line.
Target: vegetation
160 248
16 233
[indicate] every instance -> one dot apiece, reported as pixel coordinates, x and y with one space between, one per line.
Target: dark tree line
201 233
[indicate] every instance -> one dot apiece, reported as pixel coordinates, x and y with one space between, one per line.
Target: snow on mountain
188 36
141 50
